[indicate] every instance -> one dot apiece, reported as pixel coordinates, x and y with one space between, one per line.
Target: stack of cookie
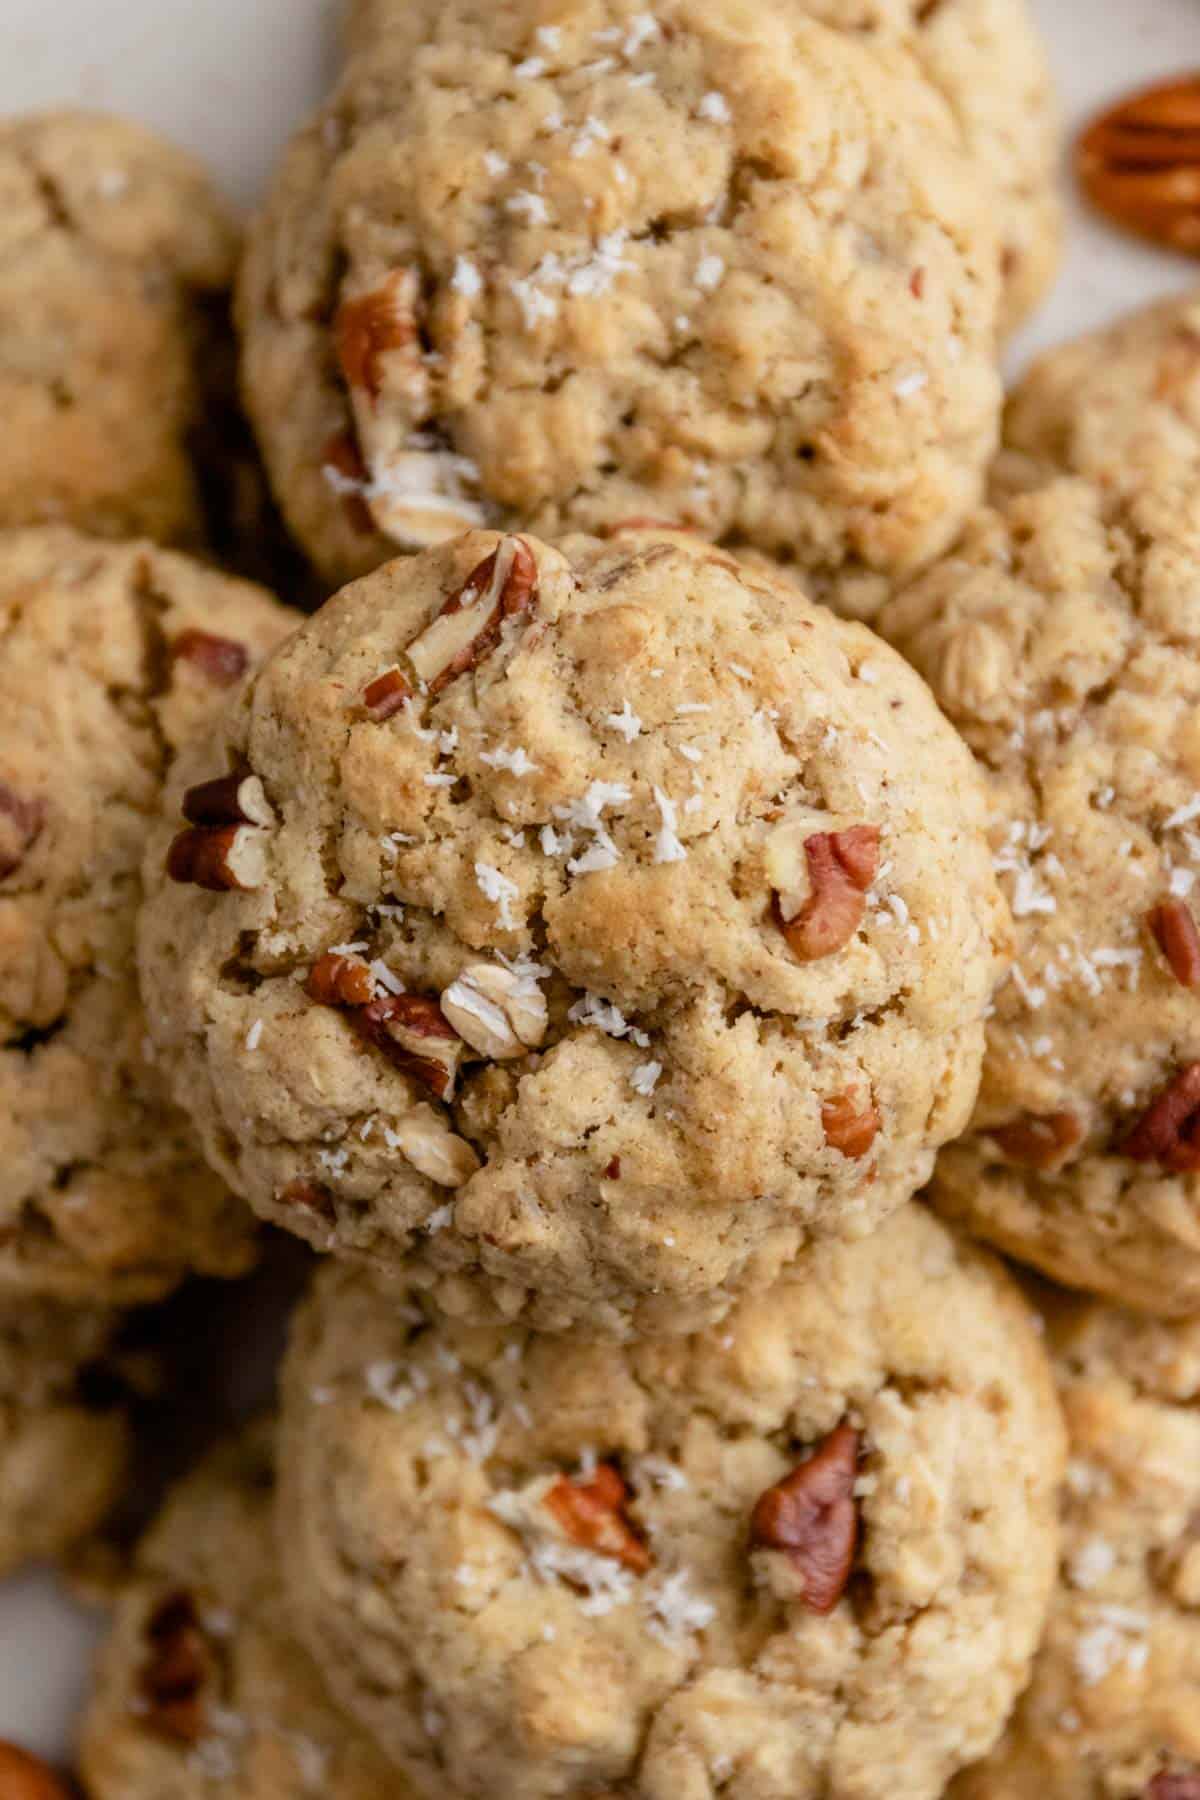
591 936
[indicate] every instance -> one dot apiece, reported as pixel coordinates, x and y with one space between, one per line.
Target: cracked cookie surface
555 266
113 244
1110 1713
613 923
110 657
62 1454
201 1687
541 1568
1120 406
1060 636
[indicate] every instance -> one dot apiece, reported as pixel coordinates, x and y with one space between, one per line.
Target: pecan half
1139 163
21 820
592 1513
223 660
236 799
178 1667
415 1036
219 858
336 980
386 695
347 473
812 1516
25 1777
372 326
1039 1141
847 1126
1175 931
311 1196
841 867
497 1012
468 626
1168 1132
1182 1784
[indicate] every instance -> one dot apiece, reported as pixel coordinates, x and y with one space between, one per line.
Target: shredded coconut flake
667 845
499 890
626 722
714 106
466 279
644 1079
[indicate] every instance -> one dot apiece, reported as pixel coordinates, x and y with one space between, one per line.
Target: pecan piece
21 822
219 858
499 1013
25 1777
416 1037
841 867
311 1196
468 626
337 980
386 695
223 660
1039 1141
347 475
847 1126
1139 163
176 1671
370 327
236 799
812 1516
1168 1132
1175 931
592 1513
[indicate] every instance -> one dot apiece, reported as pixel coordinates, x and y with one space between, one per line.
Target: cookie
110 658
114 249
987 60
1120 406
535 1567
1110 1713
554 267
1061 637
63 1446
201 1687
617 924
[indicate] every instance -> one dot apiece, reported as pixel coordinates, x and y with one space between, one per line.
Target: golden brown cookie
111 657
554 267
1111 1713
604 924
201 1688
1061 636
806 1554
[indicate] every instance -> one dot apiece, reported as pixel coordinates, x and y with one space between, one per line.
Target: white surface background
228 78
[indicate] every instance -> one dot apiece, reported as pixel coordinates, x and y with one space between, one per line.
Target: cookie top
112 245
615 924
63 1446
1111 1711
201 1687
1120 406
556 267
987 60
535 1567
110 657
1061 637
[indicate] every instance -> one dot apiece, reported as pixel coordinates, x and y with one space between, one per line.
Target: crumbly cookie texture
201 1687
113 245
1061 638
63 1451
1110 1713
1120 406
808 1554
110 658
556 265
616 923
988 61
